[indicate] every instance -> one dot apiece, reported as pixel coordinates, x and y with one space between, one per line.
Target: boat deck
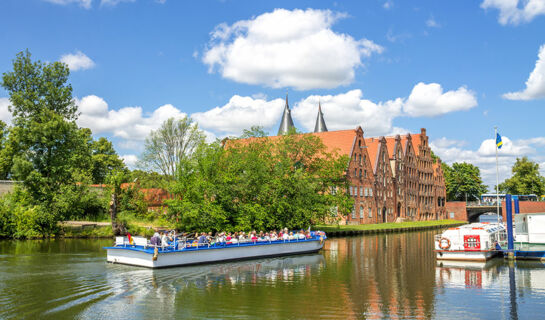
193 246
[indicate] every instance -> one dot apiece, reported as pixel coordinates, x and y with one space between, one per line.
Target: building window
370 192
351 191
361 212
355 172
370 212
361 191
366 192
360 173
354 212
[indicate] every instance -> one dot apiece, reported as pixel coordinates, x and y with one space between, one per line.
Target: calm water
383 276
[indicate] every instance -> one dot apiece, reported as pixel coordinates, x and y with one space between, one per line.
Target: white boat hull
466 255
135 257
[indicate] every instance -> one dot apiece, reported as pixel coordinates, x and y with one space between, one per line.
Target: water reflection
380 276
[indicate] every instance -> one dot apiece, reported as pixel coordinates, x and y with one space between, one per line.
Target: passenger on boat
301 235
228 238
241 237
203 239
285 236
164 240
254 236
273 236
156 239
291 237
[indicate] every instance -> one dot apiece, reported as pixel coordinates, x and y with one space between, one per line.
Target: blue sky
389 66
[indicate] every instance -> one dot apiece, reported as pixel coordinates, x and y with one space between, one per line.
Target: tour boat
141 253
473 242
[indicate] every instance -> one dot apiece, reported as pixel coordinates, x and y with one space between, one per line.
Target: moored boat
471 242
180 253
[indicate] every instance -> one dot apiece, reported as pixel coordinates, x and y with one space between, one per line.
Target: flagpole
497 176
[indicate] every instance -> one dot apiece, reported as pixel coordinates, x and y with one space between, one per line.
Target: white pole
497 176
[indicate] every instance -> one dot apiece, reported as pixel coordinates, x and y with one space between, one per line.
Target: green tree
50 153
6 152
165 147
104 160
259 184
525 179
463 182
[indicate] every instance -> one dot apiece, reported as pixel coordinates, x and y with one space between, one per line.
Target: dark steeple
320 123
287 123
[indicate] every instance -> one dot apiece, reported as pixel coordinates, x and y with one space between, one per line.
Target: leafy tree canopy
463 182
259 184
526 179
165 147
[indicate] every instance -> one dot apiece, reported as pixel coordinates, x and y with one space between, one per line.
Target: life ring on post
444 243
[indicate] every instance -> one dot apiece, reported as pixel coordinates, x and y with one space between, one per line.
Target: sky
456 68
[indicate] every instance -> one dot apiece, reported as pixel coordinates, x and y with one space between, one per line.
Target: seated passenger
241 237
291 237
254 236
273 236
285 236
203 239
301 234
228 238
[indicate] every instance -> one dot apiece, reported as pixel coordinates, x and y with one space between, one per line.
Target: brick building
390 177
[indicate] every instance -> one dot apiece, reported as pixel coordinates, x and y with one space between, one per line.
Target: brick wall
458 208
525 207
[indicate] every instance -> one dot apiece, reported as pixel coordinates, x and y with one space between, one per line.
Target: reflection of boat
474 241
469 264
469 274
182 253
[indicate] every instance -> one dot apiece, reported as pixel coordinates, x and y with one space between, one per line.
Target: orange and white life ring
444 243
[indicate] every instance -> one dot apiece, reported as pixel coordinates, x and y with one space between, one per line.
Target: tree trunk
113 214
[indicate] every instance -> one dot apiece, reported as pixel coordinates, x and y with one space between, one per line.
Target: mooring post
516 200
509 218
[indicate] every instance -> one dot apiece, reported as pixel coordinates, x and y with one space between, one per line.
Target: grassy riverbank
386 227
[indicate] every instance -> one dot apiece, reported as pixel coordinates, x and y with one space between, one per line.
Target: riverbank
348 230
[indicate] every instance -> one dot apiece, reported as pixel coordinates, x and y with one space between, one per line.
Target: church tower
287 123
320 123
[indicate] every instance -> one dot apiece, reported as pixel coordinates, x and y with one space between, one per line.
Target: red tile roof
372 150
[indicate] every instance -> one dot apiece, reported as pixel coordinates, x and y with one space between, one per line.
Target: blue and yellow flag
499 143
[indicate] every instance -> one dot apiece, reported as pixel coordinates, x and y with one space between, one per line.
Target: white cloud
429 100
130 160
515 11
128 123
432 23
5 114
83 3
241 113
535 85
77 61
485 156
348 110
287 49
388 5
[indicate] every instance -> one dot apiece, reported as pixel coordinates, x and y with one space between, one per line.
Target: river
366 277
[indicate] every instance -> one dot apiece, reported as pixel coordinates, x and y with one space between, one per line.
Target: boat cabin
530 228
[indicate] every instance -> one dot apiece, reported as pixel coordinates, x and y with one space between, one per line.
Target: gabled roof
390 144
373 145
341 140
415 139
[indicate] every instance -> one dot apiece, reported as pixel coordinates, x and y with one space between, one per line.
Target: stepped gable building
383 176
410 168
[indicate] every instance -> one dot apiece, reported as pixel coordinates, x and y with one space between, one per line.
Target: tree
259 184
171 143
104 160
525 180
50 153
463 182
6 152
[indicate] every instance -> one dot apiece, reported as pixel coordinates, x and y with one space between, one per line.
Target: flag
499 143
